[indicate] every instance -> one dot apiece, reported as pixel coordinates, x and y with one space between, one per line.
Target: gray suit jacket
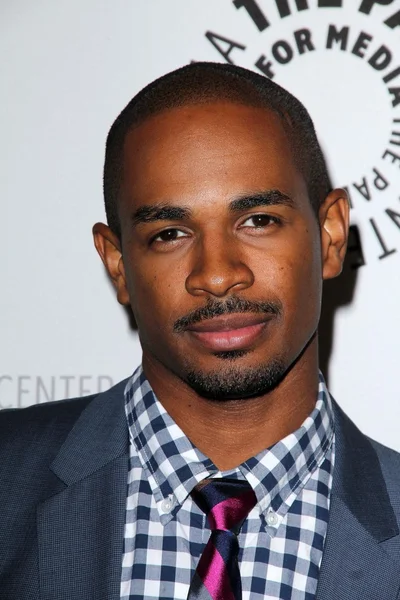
63 482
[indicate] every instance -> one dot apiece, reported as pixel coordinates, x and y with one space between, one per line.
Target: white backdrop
68 68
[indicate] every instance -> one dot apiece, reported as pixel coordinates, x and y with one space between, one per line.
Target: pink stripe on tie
225 515
213 573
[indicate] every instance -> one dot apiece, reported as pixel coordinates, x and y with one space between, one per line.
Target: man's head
203 83
222 226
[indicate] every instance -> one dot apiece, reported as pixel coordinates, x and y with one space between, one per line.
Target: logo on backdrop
334 53
23 390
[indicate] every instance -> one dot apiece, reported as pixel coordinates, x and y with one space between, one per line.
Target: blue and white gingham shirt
282 539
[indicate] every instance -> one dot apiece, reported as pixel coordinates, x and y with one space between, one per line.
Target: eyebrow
168 212
267 198
160 212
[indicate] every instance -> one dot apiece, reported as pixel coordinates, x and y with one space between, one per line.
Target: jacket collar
99 436
81 528
359 480
360 560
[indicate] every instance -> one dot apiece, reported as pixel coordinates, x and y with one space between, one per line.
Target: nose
218 269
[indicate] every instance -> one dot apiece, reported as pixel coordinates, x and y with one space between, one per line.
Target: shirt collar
174 465
277 474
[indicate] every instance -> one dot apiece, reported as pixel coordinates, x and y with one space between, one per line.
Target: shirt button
272 518
167 504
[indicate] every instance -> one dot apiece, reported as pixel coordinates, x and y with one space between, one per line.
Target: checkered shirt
281 541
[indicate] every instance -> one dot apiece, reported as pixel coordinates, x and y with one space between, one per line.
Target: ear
109 248
334 224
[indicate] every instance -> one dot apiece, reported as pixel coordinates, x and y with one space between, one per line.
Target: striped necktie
226 503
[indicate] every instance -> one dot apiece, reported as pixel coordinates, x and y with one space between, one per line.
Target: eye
169 235
260 221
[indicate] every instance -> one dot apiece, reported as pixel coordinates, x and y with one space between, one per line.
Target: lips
230 332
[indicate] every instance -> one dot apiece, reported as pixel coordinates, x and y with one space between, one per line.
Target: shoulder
350 436
34 434
58 414
363 456
387 456
389 461
31 438
47 425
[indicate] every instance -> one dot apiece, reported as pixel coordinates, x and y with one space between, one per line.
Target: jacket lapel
357 563
81 528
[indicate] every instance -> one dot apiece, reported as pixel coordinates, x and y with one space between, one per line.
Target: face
221 255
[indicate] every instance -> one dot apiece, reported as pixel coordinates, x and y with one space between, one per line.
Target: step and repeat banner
69 67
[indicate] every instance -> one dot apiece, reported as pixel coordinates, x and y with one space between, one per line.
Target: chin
233 381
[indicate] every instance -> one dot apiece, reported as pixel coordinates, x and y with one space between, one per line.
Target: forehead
218 149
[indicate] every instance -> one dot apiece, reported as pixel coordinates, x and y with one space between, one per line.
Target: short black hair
202 83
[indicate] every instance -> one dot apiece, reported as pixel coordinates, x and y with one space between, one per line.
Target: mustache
215 308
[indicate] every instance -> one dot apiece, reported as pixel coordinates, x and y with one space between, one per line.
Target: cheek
294 276
304 273
155 293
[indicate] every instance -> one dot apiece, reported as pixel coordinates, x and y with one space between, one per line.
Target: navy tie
226 503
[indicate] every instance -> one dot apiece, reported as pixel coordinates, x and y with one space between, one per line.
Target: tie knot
226 502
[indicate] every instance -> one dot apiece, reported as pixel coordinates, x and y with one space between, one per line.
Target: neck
229 432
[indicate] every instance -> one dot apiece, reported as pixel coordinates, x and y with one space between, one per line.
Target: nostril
219 284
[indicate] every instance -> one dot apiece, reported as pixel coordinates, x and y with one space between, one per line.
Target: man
222 468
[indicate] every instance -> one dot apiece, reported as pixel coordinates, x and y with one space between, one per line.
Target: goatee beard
232 383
